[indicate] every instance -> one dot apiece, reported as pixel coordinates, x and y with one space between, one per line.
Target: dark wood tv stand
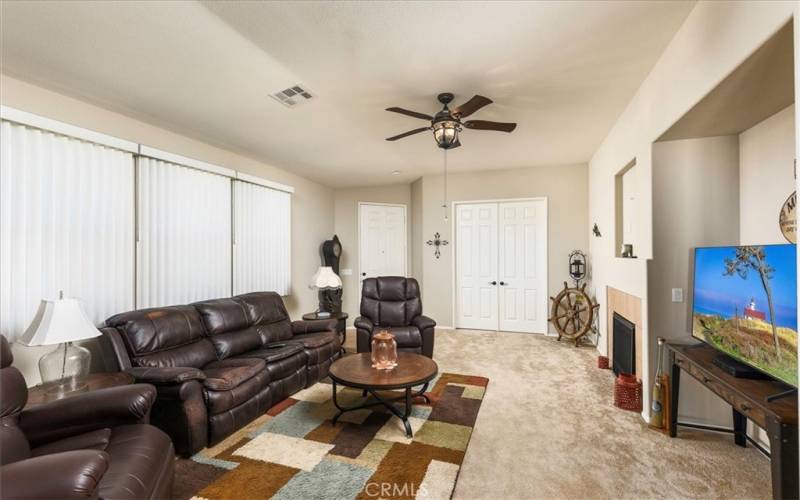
748 399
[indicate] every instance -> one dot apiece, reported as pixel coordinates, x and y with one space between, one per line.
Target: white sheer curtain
184 234
66 223
262 239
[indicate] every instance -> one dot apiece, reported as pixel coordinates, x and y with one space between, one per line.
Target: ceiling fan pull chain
444 194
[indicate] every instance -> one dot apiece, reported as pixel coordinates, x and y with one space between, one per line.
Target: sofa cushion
267 314
314 340
406 336
226 374
275 352
165 336
390 300
92 440
222 315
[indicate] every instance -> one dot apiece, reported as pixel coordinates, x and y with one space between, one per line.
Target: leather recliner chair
218 364
393 303
91 445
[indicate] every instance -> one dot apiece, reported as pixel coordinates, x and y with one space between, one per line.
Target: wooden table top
785 409
94 381
356 371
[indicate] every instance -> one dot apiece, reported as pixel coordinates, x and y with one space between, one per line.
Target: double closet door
501 266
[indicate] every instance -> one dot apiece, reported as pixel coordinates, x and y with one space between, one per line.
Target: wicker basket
628 392
602 362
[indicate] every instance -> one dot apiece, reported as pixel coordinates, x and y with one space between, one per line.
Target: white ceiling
563 71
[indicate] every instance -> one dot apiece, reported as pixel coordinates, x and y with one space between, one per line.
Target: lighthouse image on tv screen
745 305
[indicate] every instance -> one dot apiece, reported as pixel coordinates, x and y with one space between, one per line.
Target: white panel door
476 266
382 240
522 282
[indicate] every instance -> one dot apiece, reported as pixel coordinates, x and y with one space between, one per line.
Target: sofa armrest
363 323
82 413
165 376
312 326
423 322
71 474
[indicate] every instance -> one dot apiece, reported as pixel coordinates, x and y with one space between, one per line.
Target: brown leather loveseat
219 364
91 445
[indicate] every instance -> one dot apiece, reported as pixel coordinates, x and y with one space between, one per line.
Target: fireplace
624 347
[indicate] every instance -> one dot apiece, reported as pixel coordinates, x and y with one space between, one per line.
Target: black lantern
446 133
577 266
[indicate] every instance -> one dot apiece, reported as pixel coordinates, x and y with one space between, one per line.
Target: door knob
502 283
492 282
363 274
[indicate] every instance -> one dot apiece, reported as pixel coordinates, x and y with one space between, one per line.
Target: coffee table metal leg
408 396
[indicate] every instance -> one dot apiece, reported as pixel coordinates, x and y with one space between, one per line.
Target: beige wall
346 226
416 229
312 203
714 40
565 188
687 176
766 153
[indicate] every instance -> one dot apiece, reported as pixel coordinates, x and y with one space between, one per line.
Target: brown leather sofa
90 445
219 364
393 303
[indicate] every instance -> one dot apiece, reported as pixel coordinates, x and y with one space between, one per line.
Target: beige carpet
547 429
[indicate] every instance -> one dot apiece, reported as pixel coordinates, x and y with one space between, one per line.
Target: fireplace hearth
624 345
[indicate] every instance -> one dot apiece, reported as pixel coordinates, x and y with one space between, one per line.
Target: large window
66 224
122 226
184 234
262 239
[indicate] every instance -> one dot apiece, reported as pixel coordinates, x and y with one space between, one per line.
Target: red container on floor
602 362
628 392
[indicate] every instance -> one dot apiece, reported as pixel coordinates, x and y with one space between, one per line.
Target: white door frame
358 232
454 228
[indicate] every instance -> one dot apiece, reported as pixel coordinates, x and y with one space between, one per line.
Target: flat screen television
745 305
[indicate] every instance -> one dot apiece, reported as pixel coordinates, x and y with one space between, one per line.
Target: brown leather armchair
90 445
393 303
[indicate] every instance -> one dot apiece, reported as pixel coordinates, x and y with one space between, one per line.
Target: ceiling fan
446 124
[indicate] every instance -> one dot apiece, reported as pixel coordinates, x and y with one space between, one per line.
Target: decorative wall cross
437 242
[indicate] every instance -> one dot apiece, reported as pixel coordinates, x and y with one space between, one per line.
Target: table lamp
60 322
329 284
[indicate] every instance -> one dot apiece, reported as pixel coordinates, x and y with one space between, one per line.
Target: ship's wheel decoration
437 243
572 313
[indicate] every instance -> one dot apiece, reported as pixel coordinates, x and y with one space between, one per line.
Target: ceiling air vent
292 96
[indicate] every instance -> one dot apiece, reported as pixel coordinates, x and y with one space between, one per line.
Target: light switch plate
347 272
677 295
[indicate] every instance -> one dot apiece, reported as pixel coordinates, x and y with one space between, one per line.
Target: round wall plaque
788 219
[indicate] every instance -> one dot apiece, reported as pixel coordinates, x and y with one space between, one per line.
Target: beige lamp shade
58 321
325 279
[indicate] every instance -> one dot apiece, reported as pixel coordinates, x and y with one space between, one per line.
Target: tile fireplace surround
630 307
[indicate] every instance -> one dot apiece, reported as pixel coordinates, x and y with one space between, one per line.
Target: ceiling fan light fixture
445 132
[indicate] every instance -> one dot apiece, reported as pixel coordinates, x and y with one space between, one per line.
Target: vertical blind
66 223
184 234
262 239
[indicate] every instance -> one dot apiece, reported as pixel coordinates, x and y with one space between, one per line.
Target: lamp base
64 369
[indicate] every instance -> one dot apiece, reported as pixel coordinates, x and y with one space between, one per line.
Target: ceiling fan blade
406 112
485 125
471 106
410 132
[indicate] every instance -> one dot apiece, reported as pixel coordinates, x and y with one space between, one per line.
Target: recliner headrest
6 356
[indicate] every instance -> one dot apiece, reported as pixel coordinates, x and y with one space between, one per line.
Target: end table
341 323
38 394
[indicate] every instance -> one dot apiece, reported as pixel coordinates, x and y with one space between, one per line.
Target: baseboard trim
724 430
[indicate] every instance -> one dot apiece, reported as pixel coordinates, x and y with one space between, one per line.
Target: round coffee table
356 371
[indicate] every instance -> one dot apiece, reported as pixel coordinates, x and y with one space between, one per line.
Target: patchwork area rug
295 452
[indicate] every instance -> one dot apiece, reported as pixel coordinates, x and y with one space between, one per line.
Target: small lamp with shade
327 282
61 322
